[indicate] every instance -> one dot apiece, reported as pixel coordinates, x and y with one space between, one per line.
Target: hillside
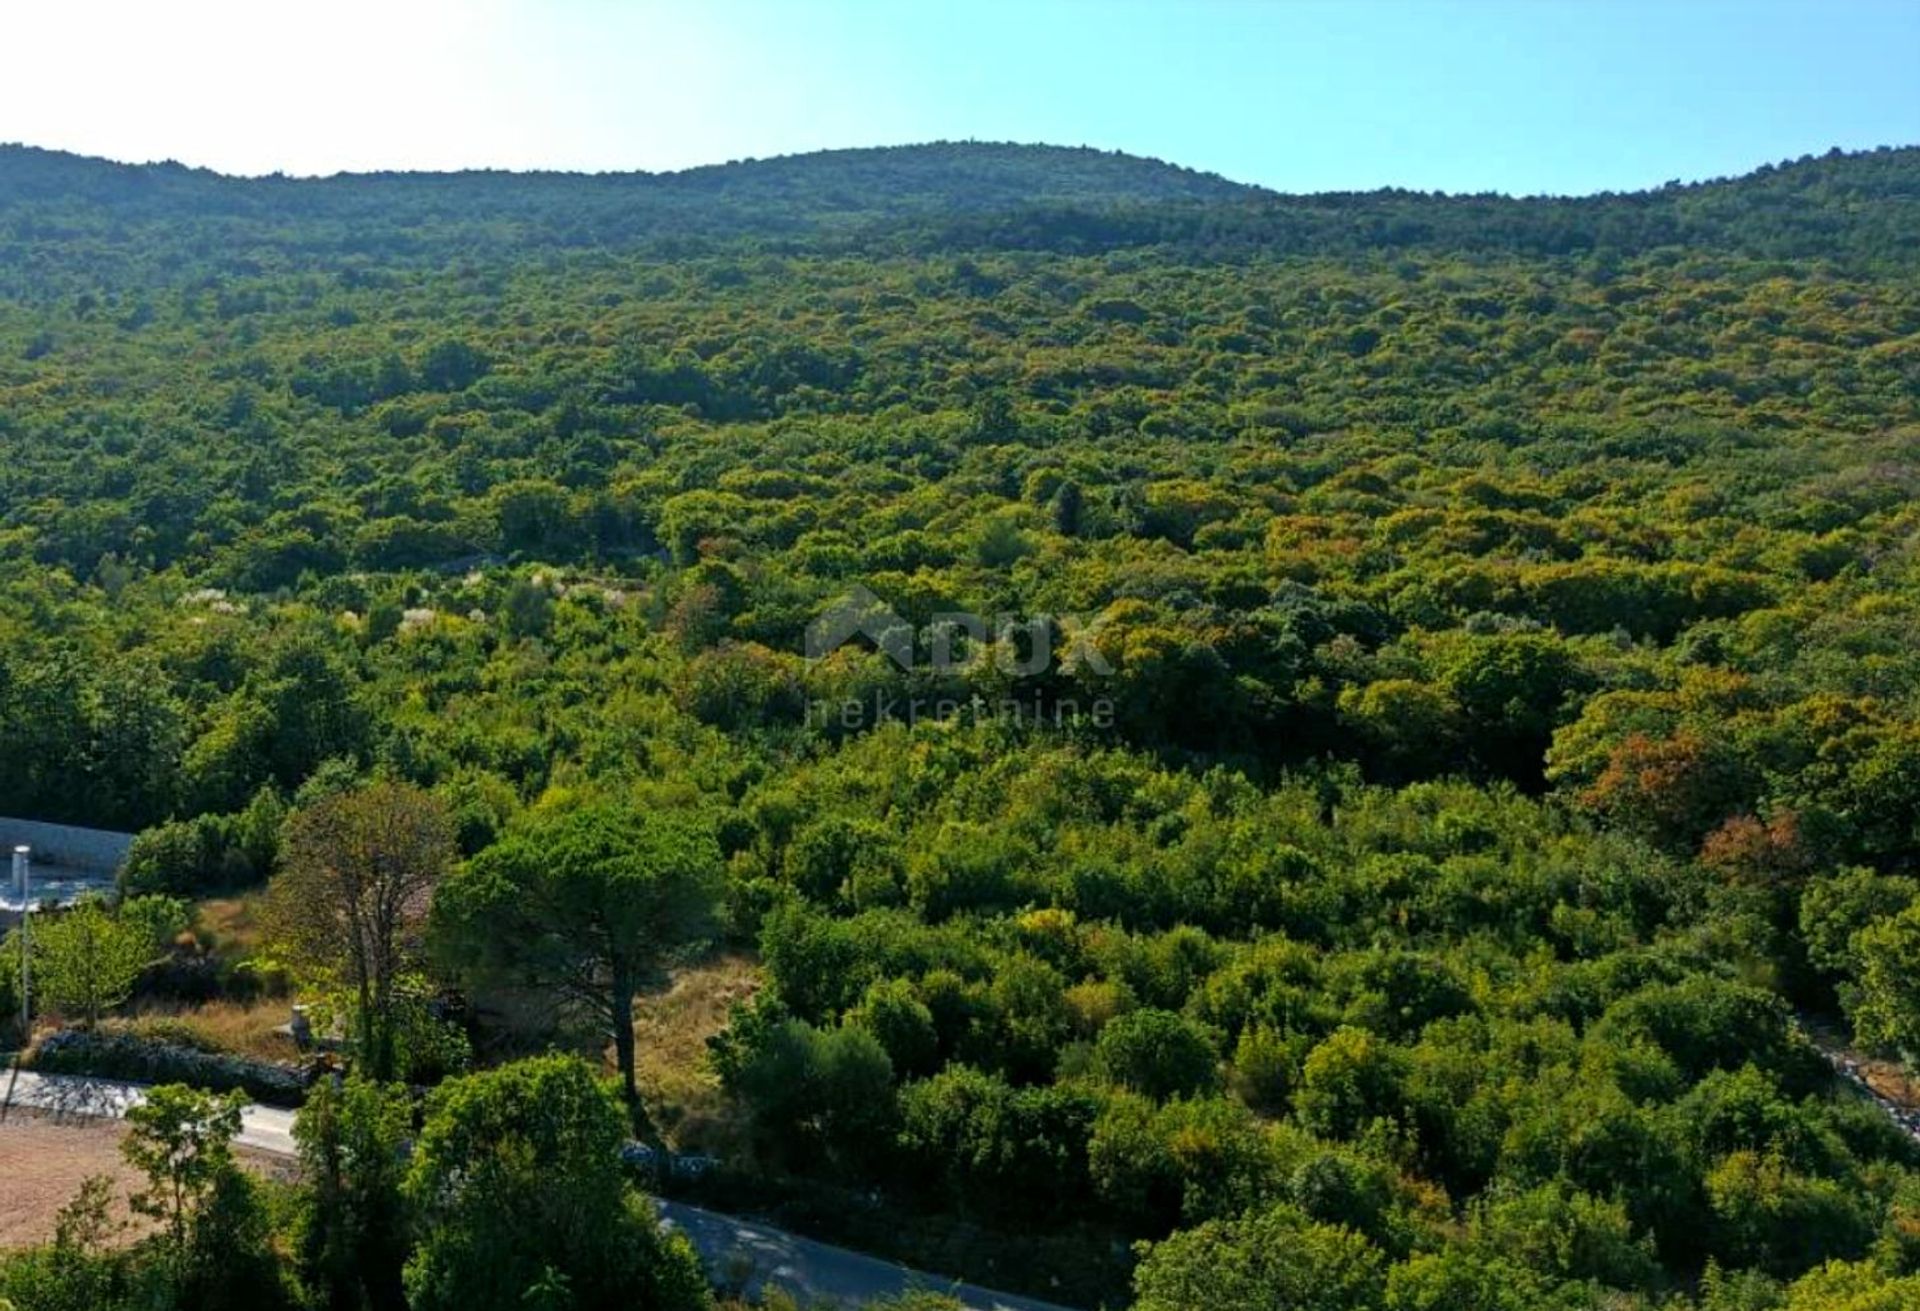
1445 694
1852 209
49 194
948 176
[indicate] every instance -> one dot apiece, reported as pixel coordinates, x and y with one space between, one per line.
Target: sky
1521 96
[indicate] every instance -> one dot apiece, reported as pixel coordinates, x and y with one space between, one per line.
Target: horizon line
752 160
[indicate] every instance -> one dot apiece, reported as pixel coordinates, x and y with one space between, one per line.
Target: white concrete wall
91 850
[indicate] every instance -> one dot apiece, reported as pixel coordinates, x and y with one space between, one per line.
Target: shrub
1157 1053
208 853
1276 1258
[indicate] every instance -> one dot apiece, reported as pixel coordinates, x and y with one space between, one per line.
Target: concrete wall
90 850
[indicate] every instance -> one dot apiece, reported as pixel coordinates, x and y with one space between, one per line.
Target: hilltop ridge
960 175
956 196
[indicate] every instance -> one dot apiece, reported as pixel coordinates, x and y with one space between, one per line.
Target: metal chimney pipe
22 877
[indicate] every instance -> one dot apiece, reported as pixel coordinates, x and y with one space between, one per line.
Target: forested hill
1480 703
52 195
1855 210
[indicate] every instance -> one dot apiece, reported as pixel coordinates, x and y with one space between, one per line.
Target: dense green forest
1480 730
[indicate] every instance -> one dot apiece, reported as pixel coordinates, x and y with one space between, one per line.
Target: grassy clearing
671 1029
242 1028
229 926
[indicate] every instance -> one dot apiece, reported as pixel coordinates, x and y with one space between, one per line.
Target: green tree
516 1185
181 1139
1510 688
354 1231
1834 909
311 712
1570 1234
86 959
1886 1006
894 1014
816 1095
1186 1160
528 609
1461 1281
1841 1286
1348 1081
1157 1053
449 365
350 903
1273 1260
980 1142
1776 1218
585 902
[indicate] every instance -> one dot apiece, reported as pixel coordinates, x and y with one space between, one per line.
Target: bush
901 1022
1348 1081
818 1095
1275 1258
1159 1054
209 853
515 1184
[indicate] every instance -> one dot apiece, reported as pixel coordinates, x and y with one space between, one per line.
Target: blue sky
1566 96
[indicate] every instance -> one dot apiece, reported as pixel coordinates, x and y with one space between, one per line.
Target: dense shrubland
1506 611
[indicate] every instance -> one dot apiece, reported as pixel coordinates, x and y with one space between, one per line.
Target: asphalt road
740 1255
265 1128
747 1257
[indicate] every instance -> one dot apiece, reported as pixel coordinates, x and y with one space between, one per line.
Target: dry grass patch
671 1028
242 1028
230 926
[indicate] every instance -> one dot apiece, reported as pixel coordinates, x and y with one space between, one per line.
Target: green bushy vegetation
1482 712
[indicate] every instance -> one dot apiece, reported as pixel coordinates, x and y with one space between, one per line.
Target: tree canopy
1372 731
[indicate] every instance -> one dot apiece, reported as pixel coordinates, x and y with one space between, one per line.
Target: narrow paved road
744 1256
265 1128
739 1254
